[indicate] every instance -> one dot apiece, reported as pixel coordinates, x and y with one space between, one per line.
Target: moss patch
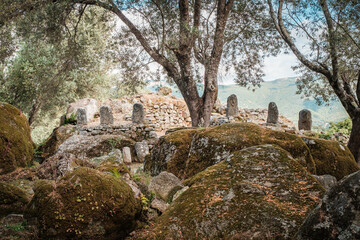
16 146
12 199
331 158
215 144
84 204
259 193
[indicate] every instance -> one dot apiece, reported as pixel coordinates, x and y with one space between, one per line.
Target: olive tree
331 62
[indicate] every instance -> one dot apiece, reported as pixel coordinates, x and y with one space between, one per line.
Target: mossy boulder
170 153
12 199
57 137
259 192
84 204
216 144
16 146
331 157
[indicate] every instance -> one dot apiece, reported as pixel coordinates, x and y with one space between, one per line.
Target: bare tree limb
287 38
358 87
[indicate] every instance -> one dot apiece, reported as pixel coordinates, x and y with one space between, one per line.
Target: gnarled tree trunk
354 141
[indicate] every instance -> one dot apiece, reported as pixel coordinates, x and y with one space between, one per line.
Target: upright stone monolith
62 120
305 121
81 116
273 114
232 106
138 113
106 115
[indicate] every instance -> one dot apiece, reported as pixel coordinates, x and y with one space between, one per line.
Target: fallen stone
165 185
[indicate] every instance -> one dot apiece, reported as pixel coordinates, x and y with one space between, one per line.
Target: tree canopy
331 62
191 41
53 66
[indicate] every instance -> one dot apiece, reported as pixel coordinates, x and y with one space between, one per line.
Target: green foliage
343 127
116 173
71 120
19 227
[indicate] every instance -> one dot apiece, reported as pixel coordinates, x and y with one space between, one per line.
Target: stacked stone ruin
164 115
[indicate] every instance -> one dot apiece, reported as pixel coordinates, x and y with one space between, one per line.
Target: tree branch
331 39
358 87
278 21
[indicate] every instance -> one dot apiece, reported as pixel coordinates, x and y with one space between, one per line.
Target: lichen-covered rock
259 193
12 199
141 149
327 181
84 204
337 216
170 153
16 146
331 157
59 165
94 146
165 185
212 145
111 163
57 137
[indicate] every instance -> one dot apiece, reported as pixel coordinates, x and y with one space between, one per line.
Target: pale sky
279 66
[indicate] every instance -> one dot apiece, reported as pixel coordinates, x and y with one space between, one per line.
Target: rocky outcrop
94 146
87 151
12 199
331 157
84 204
57 137
16 146
260 192
337 216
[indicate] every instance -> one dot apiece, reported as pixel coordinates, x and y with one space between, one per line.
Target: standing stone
142 149
106 116
127 155
81 116
62 120
138 113
305 121
232 106
273 113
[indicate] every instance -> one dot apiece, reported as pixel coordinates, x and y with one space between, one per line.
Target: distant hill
283 93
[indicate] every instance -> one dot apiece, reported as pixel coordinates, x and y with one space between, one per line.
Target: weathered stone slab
232 106
106 115
273 113
305 120
138 113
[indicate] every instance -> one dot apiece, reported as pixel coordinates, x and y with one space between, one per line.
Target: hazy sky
279 67
274 68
